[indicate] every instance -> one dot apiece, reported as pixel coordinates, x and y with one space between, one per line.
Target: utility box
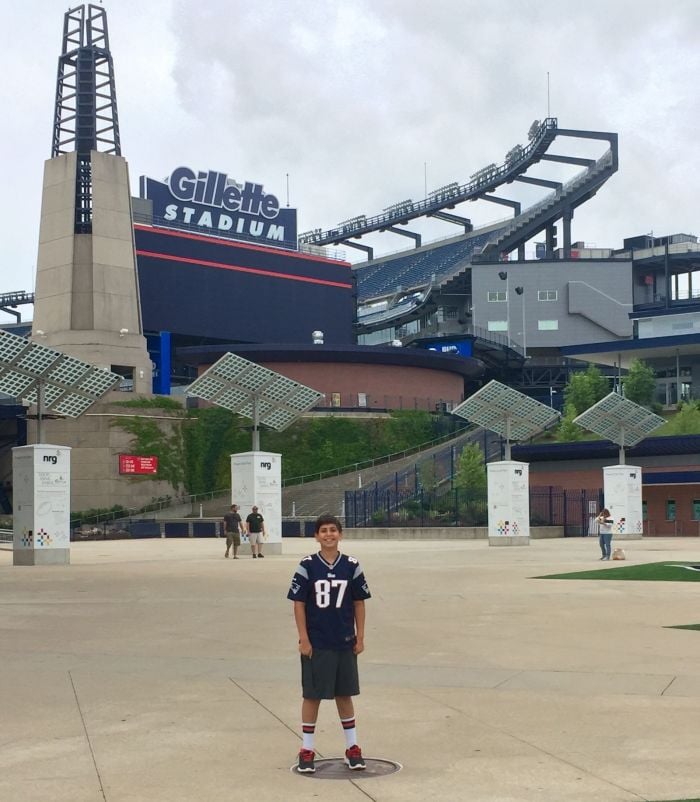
509 503
256 479
41 520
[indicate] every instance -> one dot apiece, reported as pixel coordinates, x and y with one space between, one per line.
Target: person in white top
605 525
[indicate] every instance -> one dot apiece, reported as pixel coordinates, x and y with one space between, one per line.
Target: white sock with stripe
308 731
349 731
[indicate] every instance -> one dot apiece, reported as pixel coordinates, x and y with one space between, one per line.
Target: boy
329 591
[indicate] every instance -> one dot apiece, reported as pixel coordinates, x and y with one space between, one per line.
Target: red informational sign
129 463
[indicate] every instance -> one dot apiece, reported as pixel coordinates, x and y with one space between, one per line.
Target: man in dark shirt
233 526
255 526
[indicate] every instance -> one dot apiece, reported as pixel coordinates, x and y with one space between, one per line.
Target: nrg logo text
266 465
52 459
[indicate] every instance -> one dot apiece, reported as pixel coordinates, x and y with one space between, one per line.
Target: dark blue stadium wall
206 287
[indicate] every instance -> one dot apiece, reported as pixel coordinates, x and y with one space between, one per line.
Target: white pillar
509 503
622 490
256 479
41 502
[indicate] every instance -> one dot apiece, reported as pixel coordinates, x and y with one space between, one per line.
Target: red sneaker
306 761
354 759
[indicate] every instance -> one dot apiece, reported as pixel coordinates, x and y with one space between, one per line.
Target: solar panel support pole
622 446
256 423
40 411
507 444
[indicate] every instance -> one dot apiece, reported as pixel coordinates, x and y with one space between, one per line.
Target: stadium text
223 222
211 189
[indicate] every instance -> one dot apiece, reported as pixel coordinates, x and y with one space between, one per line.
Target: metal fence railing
371 463
574 510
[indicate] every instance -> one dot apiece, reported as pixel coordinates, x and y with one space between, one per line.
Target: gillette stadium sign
211 203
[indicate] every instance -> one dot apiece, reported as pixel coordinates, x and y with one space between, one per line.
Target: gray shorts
329 673
233 539
255 538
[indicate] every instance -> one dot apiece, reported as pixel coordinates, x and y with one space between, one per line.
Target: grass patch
684 626
649 572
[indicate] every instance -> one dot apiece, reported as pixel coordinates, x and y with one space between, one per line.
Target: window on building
501 295
362 399
547 325
335 399
376 337
670 509
547 295
645 511
696 509
497 325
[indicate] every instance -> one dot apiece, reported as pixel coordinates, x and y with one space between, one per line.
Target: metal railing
371 463
549 506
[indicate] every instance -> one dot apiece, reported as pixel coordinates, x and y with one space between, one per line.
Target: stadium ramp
327 495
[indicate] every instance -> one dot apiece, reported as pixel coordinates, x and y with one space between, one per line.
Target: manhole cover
334 768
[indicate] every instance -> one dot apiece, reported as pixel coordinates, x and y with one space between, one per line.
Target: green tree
639 383
686 421
568 431
585 389
471 475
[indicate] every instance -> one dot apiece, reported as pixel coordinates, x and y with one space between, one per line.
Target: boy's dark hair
327 518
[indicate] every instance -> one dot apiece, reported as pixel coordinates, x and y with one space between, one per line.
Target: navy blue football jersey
329 592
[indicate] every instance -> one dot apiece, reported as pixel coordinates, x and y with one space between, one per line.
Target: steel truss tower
86 101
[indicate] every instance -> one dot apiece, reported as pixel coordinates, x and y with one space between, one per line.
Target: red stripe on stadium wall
237 244
257 271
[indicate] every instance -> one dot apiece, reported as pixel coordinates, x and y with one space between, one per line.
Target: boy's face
329 536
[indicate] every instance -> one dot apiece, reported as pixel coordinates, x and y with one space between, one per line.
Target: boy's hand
359 645
305 647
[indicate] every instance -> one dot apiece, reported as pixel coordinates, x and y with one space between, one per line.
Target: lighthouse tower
87 296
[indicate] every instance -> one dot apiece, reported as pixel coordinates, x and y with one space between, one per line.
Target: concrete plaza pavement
157 670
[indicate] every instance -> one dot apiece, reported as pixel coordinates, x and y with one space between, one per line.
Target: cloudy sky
364 103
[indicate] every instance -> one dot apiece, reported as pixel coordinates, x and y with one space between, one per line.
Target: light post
552 393
521 292
503 275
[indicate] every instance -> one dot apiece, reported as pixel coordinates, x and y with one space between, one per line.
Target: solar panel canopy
507 412
619 420
68 385
255 392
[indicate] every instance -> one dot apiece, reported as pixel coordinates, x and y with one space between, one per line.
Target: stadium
221 268
528 322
